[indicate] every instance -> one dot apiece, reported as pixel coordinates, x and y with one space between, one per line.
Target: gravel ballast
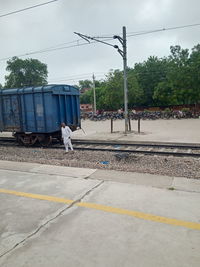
163 165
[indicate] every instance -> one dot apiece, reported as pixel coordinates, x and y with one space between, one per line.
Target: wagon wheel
33 140
46 141
20 141
26 140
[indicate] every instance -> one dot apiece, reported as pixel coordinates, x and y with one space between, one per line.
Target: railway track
10 141
148 148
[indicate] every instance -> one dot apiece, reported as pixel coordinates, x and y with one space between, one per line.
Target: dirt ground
184 130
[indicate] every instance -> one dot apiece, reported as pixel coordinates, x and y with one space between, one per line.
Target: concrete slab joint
52 219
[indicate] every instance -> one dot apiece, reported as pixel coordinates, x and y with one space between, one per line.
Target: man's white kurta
66 134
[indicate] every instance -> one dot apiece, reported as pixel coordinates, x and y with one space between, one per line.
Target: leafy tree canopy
83 84
27 72
172 80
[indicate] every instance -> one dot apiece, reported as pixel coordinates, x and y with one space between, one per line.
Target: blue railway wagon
35 113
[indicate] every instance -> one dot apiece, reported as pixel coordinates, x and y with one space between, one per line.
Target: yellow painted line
141 215
37 196
136 214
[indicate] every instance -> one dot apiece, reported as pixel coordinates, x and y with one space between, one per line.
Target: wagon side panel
67 107
10 112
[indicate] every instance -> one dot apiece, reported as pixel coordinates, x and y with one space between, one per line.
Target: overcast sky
54 24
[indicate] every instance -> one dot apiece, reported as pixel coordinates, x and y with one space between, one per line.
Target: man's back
66 132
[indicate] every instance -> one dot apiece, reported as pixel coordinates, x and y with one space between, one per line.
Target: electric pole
125 80
94 96
123 53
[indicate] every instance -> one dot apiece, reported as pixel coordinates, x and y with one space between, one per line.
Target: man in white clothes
66 137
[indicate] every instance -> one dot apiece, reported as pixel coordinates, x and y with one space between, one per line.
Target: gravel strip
163 165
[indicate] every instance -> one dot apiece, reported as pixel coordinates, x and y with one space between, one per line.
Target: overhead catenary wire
58 45
78 42
164 29
144 32
77 79
89 74
27 8
44 51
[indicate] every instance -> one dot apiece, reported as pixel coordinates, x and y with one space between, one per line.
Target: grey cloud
53 24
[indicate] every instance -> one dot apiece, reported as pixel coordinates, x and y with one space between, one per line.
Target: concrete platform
61 216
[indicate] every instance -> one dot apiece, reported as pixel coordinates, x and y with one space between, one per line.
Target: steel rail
126 147
139 143
145 152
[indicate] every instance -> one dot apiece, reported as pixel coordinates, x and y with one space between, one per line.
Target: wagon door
11 113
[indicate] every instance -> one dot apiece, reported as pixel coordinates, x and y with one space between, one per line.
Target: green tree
110 92
178 74
86 98
164 94
83 84
27 72
135 92
113 98
149 74
171 80
182 77
195 74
